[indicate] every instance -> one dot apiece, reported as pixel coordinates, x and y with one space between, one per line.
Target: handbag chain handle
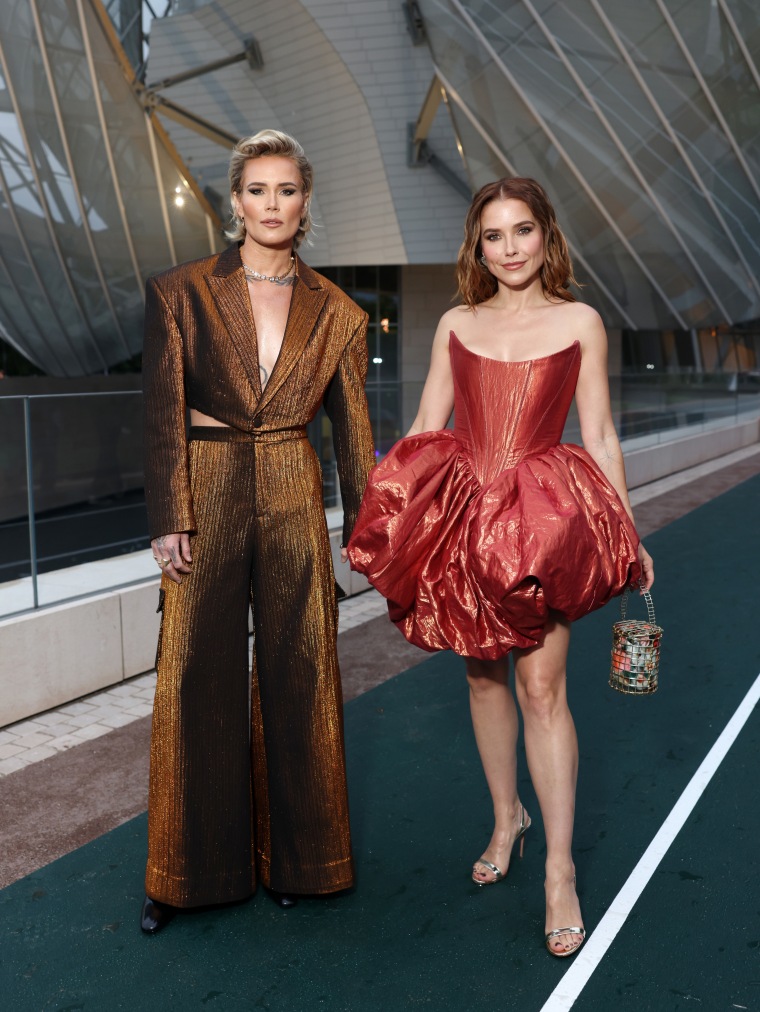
647 597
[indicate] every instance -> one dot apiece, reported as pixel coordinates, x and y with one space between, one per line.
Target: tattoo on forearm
606 456
264 376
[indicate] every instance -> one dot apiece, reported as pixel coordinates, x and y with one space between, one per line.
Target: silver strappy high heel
565 931
498 873
548 938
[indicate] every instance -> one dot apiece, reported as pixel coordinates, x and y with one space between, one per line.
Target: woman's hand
647 567
172 553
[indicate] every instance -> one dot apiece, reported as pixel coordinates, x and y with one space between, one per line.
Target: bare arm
600 440
437 401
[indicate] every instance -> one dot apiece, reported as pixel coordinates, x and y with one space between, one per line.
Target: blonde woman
247 774
493 538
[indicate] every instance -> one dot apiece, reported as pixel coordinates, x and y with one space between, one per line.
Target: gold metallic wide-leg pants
247 770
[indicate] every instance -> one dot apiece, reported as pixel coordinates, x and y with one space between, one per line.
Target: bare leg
551 747
494 720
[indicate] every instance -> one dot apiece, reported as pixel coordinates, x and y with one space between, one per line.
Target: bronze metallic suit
248 775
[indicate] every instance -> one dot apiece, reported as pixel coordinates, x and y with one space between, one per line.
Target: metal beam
485 135
428 111
421 154
107 146
552 137
87 231
54 243
680 42
674 139
160 187
637 174
173 111
251 53
183 170
139 89
752 66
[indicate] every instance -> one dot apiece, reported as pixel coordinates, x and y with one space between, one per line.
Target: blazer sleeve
167 477
346 406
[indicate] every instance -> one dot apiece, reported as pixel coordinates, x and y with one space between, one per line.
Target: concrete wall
58 653
51 656
653 462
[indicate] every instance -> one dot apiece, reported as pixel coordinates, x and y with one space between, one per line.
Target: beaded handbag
635 651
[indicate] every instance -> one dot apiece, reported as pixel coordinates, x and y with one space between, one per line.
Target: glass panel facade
89 205
377 291
644 129
87 492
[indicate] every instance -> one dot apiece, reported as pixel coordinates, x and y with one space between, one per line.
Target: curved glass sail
93 197
641 120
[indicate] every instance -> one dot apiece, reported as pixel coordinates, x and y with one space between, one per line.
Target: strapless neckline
475 534
520 361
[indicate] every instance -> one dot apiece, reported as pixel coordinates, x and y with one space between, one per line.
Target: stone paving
32 740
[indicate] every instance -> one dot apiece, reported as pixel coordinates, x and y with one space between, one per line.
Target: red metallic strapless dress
472 535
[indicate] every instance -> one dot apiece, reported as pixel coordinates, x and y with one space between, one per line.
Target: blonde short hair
269 142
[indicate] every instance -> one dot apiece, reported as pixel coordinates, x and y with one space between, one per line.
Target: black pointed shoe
154 916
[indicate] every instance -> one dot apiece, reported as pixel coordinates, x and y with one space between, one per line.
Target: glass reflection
631 198
80 239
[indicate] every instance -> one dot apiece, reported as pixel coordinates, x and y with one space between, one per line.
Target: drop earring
482 259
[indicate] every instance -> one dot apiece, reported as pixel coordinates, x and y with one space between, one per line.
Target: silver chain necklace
278 279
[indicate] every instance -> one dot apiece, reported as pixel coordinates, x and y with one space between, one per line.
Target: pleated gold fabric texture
474 535
247 766
200 352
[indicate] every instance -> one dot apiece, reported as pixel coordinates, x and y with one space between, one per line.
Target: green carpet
416 933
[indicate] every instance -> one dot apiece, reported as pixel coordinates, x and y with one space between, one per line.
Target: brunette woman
493 538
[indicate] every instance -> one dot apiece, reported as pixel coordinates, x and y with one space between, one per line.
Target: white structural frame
42 42
48 222
674 139
625 154
160 186
740 42
680 42
504 70
22 299
84 28
451 92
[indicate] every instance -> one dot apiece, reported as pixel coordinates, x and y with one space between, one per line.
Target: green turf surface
416 933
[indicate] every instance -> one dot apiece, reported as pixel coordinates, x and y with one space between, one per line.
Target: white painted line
566 992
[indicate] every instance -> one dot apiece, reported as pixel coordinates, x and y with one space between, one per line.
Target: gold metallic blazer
200 352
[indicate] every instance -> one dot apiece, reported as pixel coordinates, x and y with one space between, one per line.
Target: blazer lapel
228 287
306 304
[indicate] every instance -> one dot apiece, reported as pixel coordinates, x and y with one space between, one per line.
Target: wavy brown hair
476 283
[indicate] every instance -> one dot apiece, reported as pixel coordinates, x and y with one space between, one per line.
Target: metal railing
71 469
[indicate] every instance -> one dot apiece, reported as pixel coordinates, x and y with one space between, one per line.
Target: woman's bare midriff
198 418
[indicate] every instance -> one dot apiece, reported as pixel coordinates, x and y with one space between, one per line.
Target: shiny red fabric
472 535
